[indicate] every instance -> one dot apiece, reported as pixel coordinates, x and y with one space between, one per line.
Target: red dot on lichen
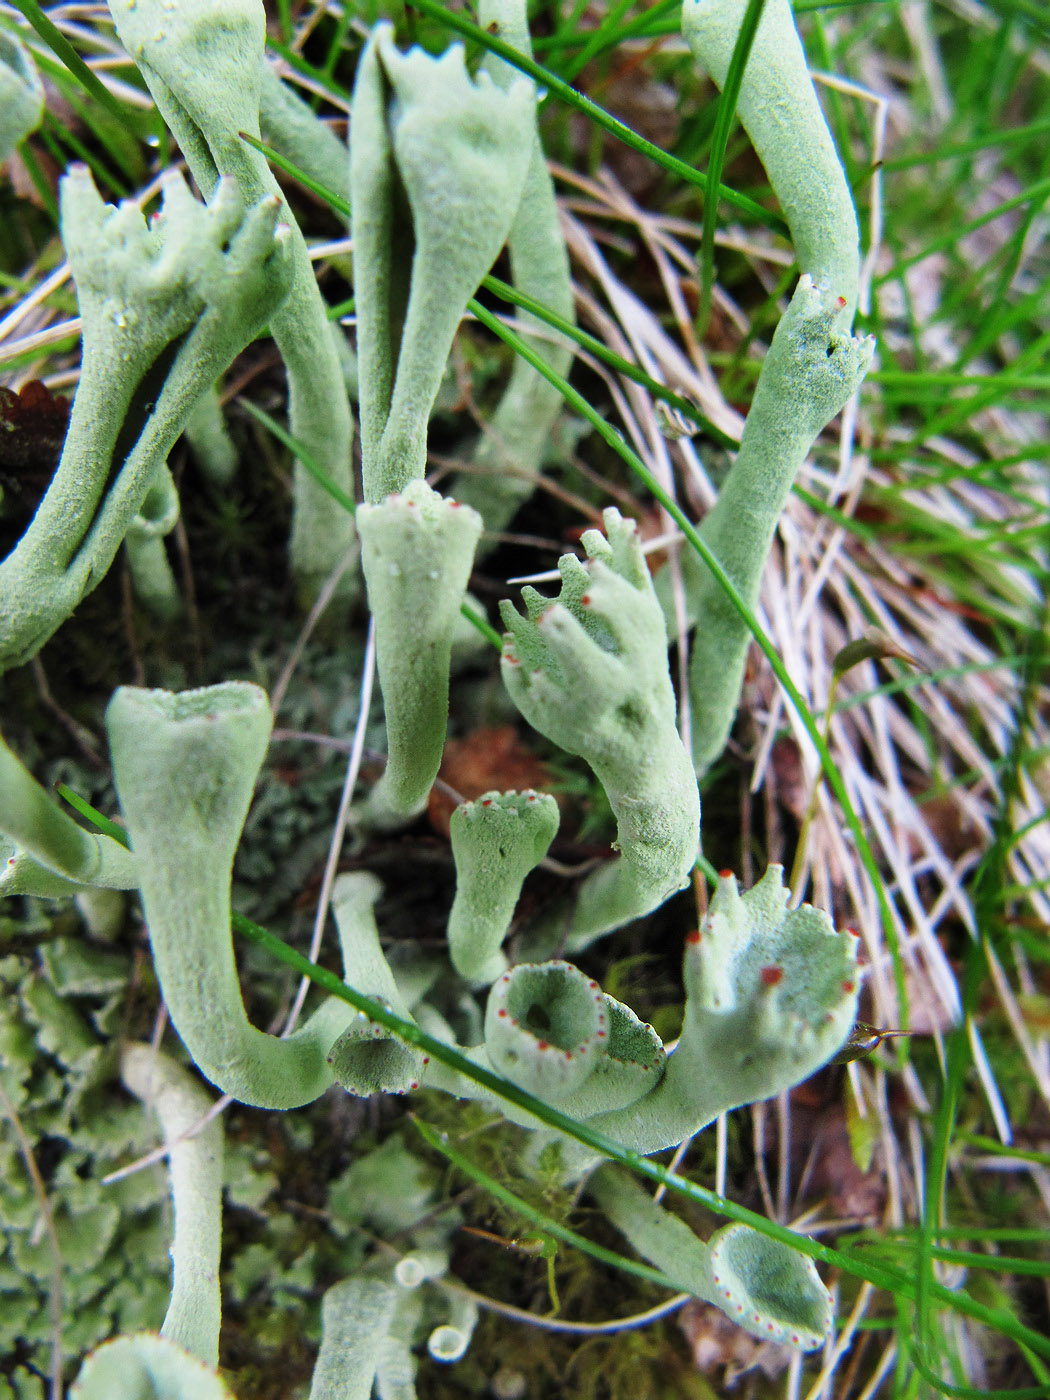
426 1059
842 302
542 1045
502 1011
486 802
848 986
693 937
414 1084
725 874
585 601
853 933
771 975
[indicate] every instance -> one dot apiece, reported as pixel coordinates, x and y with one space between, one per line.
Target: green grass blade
440 1143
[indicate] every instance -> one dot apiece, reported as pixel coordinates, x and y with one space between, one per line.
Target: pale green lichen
195 1174
810 372
43 850
366 1059
764 1286
496 841
771 994
589 671
515 441
813 366
151 573
780 112
438 166
440 163
21 94
203 64
185 767
165 308
145 1367
416 550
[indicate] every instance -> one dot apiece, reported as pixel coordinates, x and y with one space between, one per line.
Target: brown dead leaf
485 760
853 1194
33 427
717 1343
793 789
950 824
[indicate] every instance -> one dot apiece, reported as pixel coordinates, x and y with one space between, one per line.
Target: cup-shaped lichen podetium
589 671
771 991
146 1367
416 549
165 308
768 1288
771 994
545 1027
185 767
202 62
452 153
496 841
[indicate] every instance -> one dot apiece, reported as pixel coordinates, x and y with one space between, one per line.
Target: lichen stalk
46 852
589 671
165 309
511 450
437 168
195 1171
366 1059
417 549
496 841
807 377
203 63
185 767
778 108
